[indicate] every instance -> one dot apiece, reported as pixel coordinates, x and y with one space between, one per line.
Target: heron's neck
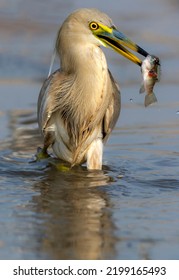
87 63
81 56
89 67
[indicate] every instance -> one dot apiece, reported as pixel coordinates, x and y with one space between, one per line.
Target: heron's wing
43 112
113 110
48 97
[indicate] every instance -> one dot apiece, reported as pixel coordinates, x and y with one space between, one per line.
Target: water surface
129 210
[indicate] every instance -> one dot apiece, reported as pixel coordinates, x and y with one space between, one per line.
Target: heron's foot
41 154
60 166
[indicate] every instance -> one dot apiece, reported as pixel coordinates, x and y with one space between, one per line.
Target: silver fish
150 69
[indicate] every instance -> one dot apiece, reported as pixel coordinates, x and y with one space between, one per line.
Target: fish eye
93 25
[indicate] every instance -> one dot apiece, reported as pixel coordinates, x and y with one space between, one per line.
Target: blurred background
130 209
28 31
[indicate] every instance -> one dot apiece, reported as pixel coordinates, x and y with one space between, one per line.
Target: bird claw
60 166
41 154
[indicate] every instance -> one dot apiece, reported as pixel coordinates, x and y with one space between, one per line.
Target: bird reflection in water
78 224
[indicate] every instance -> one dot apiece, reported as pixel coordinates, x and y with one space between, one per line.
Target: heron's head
86 26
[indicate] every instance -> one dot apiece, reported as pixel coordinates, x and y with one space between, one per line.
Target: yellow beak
116 40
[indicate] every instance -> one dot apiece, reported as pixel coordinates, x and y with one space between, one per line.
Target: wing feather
54 88
113 110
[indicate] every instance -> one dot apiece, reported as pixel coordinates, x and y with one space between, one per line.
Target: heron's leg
42 152
95 154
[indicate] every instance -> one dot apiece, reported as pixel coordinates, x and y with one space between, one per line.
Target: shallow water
130 209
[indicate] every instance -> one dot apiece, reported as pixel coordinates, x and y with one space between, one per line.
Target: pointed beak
120 43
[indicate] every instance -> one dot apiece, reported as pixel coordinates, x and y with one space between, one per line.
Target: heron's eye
93 25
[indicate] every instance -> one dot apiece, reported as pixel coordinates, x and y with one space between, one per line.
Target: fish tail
150 98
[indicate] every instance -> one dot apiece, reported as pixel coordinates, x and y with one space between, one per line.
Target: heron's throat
82 58
90 72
